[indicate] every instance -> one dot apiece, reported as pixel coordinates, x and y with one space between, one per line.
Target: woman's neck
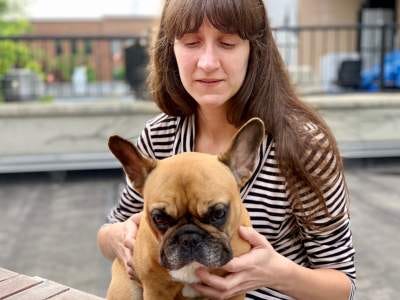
213 131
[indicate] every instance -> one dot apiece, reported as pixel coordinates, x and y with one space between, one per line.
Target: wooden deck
14 286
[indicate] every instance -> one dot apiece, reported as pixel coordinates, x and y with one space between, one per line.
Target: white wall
39 9
282 12
147 7
285 13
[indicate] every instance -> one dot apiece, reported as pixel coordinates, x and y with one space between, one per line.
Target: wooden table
14 286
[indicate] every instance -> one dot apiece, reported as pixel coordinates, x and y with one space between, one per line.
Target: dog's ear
135 165
242 153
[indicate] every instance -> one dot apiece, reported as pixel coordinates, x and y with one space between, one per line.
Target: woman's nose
208 60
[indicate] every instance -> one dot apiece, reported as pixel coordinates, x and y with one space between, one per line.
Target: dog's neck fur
187 275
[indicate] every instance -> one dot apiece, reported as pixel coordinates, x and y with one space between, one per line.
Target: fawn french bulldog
191 216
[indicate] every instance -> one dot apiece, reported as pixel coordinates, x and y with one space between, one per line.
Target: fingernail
202 270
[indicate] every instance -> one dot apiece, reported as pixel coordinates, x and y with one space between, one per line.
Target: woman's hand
122 238
247 272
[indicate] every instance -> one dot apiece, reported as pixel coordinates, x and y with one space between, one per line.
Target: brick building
103 52
306 55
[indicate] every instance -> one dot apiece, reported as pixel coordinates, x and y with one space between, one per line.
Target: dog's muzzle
190 243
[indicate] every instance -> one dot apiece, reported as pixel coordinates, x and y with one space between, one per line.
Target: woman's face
212 64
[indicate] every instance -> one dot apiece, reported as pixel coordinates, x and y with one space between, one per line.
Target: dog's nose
189 240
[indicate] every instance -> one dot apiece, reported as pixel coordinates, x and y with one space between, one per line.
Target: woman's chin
213 101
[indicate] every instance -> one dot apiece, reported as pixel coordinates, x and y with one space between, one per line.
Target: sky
282 12
90 8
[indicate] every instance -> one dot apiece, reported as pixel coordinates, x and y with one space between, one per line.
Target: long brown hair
265 93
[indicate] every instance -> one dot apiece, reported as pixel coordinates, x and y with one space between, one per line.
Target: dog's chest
187 275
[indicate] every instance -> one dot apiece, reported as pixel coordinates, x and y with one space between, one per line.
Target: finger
131 273
220 283
130 230
127 257
128 244
239 289
130 269
130 264
252 236
136 218
235 279
240 263
209 279
130 235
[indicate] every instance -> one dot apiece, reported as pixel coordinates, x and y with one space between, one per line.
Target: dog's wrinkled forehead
189 183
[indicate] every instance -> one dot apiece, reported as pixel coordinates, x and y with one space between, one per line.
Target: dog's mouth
192 244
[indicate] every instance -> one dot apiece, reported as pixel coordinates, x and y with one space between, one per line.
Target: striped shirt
267 200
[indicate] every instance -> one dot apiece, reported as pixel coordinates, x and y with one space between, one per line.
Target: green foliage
46 99
12 7
62 67
14 54
119 73
4 6
17 27
91 74
11 20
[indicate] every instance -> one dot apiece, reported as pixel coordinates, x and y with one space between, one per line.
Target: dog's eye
217 214
161 219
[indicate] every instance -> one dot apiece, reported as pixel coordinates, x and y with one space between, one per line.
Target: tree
12 23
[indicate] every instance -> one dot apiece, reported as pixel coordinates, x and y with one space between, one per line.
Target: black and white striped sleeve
131 201
328 239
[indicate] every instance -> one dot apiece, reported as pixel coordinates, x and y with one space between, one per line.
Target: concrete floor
48 227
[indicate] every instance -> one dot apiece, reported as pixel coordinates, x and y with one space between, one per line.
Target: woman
214 66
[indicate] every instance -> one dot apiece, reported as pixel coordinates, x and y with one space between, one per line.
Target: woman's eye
191 44
227 45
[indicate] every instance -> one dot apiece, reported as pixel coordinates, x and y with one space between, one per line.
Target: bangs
243 17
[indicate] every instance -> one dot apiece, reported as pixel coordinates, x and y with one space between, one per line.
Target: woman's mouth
209 81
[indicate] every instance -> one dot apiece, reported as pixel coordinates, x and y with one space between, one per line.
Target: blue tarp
370 78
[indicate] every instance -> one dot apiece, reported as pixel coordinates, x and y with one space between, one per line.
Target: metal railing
319 59
341 58
76 66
